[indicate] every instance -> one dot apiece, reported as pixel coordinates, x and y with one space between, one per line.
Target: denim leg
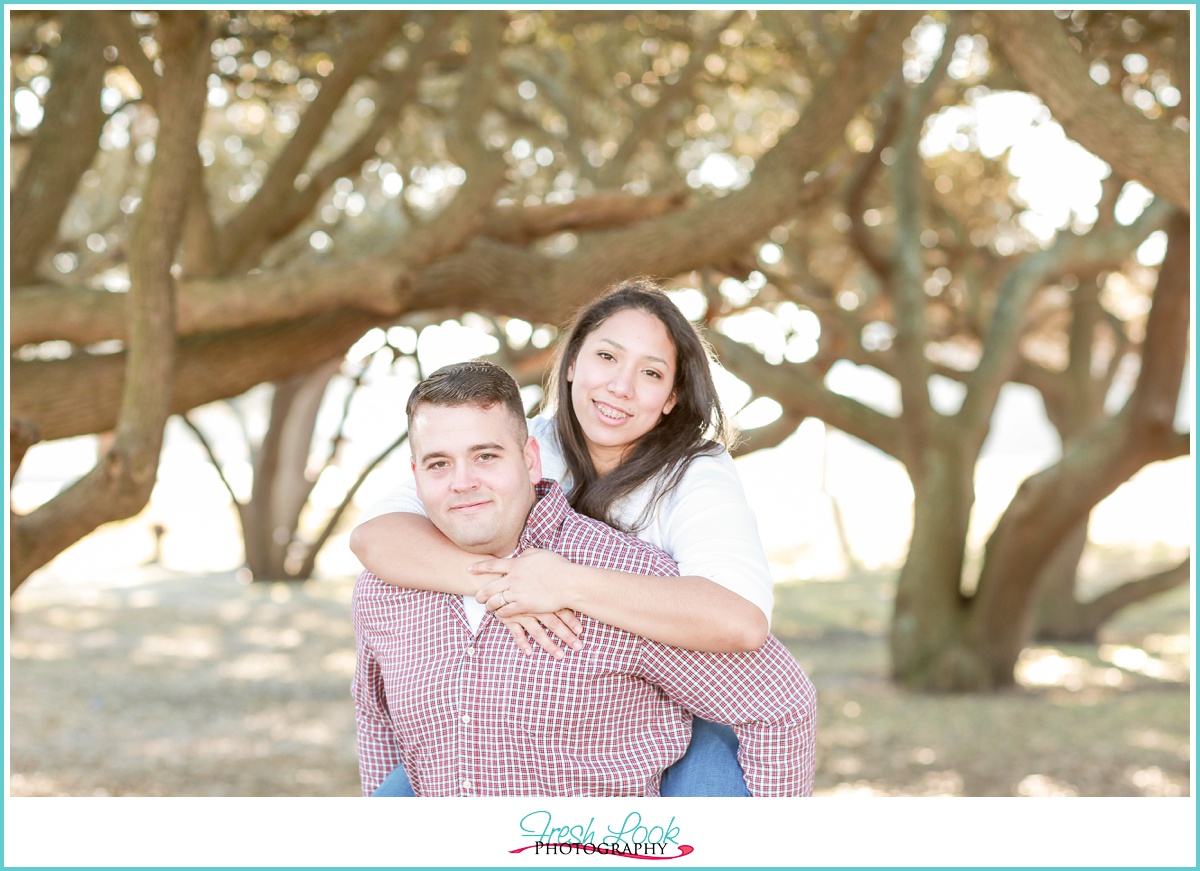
709 767
395 785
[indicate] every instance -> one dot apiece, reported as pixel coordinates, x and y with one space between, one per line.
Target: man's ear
533 459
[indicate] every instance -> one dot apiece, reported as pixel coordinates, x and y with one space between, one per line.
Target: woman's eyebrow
621 347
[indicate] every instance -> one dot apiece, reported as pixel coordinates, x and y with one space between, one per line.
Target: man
440 687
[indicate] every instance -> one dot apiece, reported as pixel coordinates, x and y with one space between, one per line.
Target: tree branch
1099 610
212 456
1098 249
801 391
62 146
1049 504
649 120
121 482
246 229
392 98
1157 155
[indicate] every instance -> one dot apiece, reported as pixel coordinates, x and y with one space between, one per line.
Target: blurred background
943 259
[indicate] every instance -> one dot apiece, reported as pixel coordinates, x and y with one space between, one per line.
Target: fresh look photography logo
633 838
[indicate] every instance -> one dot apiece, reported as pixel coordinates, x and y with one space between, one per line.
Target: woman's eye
653 374
604 355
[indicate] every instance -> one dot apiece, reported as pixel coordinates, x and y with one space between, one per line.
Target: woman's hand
536 582
531 597
535 626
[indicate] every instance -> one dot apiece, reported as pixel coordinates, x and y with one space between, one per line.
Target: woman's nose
621 384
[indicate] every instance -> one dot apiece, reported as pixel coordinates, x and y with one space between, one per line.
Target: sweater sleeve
708 527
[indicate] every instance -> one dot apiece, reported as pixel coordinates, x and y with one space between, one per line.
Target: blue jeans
709 768
395 785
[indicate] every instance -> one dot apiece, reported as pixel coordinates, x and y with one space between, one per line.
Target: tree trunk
929 615
1058 612
1050 505
281 484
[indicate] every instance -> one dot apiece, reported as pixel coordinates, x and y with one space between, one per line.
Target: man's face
474 475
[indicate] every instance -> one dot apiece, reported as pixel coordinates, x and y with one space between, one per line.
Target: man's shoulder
587 541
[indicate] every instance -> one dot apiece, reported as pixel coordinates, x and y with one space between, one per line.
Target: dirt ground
152 683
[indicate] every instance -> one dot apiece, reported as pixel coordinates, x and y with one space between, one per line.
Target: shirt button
466 718
466 784
470 651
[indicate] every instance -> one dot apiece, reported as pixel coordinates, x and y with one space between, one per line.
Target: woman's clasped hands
530 596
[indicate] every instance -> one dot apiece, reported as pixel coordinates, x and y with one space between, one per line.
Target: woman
637 439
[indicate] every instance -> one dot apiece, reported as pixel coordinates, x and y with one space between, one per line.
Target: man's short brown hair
476 383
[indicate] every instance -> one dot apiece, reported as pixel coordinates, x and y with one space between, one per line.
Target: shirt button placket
465 719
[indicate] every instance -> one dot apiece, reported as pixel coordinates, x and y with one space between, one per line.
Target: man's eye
487 456
440 464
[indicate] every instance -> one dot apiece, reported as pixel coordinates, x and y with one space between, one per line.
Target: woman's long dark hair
696 426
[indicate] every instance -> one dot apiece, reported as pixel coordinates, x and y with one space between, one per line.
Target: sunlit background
835 514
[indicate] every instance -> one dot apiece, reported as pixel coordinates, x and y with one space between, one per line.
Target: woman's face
623 382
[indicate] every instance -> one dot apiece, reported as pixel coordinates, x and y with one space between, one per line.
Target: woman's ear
571 371
669 405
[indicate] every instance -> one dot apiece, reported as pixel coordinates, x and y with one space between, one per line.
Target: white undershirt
476 610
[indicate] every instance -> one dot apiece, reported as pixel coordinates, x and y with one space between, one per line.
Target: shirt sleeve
402 498
708 527
378 752
764 695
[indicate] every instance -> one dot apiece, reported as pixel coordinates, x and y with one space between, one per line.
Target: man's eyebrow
494 447
621 347
487 446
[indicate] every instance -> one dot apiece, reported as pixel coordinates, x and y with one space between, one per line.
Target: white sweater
705 524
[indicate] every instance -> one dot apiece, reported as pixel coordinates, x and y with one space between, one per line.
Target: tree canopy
203 202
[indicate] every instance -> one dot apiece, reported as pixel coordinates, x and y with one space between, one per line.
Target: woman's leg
395 785
709 767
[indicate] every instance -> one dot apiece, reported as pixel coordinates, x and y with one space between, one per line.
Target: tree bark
120 484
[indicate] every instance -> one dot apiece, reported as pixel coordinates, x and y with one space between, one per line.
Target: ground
155 683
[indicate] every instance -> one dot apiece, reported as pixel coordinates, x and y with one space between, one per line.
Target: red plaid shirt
469 714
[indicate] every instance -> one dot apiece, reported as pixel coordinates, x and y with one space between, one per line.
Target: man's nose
464 478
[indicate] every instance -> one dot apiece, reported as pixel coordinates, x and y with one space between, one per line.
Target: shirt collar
547 516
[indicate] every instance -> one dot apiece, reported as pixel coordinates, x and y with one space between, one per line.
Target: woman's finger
553 624
538 634
570 618
518 633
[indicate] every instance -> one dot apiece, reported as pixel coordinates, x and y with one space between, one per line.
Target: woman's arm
722 602
407 550
691 611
